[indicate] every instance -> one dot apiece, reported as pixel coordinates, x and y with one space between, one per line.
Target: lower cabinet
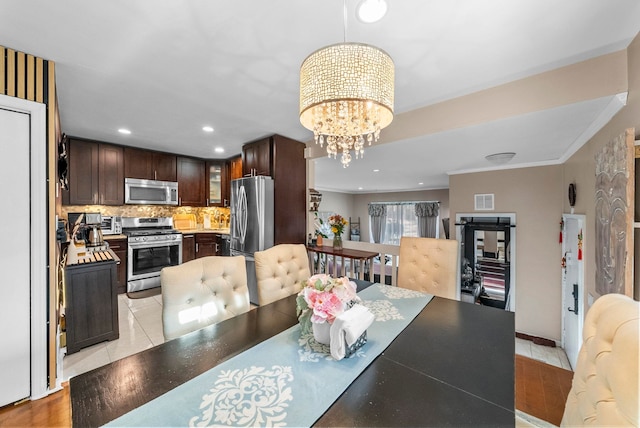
207 244
119 246
188 247
91 312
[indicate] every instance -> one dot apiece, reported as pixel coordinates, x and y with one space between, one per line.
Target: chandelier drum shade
346 96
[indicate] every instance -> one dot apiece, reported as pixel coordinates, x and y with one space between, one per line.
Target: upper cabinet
216 181
96 174
149 165
256 157
283 160
191 181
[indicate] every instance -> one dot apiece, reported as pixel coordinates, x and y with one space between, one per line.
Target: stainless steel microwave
150 192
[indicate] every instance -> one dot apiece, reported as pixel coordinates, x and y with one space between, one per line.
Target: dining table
452 365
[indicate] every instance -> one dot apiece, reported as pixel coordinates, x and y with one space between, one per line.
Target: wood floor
541 391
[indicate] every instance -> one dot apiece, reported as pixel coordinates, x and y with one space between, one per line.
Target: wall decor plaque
614 198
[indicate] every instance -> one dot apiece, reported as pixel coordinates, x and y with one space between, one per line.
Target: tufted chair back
430 265
604 391
280 270
201 292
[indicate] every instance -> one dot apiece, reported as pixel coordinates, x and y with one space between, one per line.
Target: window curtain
427 213
378 214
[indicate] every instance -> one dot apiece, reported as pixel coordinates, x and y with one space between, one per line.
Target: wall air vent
484 202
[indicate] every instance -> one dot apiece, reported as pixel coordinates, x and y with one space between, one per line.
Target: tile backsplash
219 216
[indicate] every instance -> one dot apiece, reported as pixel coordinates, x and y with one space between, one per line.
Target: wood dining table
453 365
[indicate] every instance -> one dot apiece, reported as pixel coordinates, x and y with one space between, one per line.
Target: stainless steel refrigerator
251 222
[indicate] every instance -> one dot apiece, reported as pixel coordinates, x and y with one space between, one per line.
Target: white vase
322 332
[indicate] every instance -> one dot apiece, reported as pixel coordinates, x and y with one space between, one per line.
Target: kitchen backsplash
219 216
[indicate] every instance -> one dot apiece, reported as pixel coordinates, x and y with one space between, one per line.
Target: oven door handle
154 244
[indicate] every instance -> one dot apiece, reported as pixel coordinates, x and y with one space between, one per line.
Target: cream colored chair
280 271
430 265
604 391
201 292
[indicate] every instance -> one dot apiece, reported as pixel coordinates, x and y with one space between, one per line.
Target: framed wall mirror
487 250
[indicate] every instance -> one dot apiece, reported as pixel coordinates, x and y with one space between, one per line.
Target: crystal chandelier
346 97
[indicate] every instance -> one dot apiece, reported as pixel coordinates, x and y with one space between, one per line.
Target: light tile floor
141 328
552 356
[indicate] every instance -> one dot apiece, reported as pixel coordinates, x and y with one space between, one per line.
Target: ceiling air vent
484 202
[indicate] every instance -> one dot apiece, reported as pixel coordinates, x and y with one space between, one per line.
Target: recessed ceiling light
207 128
218 150
370 11
421 183
359 188
124 131
376 170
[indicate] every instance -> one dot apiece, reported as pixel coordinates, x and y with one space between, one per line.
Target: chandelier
346 97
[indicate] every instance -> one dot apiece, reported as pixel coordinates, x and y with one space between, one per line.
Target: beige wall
538 198
534 195
580 168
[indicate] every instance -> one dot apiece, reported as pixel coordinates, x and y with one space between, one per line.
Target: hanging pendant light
346 96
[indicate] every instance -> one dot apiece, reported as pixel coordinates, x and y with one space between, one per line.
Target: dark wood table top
452 366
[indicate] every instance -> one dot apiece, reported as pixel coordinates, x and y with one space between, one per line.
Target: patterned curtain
378 214
427 213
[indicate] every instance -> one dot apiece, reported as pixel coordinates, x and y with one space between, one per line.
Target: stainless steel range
153 244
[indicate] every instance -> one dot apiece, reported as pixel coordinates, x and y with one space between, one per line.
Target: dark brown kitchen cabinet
149 165
256 157
191 182
119 246
188 247
233 170
215 184
91 312
96 173
283 159
110 175
207 244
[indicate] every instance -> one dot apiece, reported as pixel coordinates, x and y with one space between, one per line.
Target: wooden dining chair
430 265
280 271
202 292
604 391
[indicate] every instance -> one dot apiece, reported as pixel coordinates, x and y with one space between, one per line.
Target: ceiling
164 69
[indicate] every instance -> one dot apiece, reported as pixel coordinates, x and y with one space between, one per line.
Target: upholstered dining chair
280 271
430 265
604 391
201 292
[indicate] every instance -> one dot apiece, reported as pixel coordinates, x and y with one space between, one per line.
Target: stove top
148 226
149 231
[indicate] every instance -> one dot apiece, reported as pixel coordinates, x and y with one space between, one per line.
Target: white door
15 357
572 285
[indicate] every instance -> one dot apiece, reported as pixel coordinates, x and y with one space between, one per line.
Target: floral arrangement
337 223
323 298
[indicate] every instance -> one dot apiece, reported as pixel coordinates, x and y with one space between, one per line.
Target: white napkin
348 327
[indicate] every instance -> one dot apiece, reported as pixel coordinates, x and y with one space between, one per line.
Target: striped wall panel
25 76
31 78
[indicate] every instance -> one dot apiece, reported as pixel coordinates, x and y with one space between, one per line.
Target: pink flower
326 297
326 306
